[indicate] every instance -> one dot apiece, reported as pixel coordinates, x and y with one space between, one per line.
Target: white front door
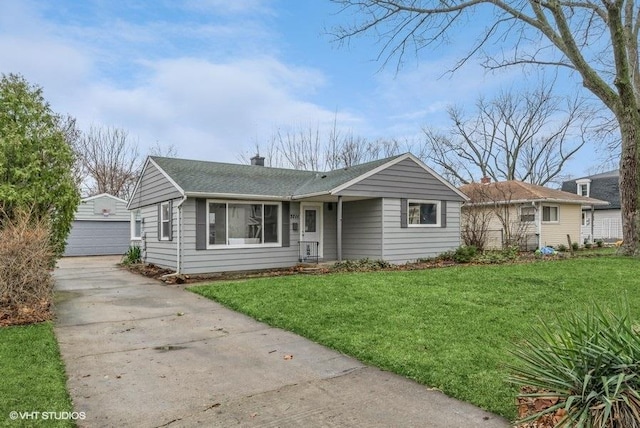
311 225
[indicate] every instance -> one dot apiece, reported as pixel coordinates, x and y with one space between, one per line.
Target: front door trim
319 225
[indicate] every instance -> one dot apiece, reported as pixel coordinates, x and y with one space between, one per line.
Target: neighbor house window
583 186
243 223
550 213
136 224
165 221
423 213
527 214
583 189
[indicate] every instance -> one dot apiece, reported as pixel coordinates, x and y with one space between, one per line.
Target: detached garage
101 227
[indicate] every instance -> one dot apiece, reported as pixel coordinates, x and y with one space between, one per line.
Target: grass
450 328
33 376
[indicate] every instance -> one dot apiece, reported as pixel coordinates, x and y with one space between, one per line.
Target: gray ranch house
203 217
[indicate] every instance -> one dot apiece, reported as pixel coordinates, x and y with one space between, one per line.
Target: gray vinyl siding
329 228
97 238
91 209
161 253
231 259
153 187
406 179
401 245
362 229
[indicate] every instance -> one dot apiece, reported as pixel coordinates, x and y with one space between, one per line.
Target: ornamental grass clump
588 369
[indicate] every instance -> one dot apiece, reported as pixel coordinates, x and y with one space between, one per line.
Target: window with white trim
527 214
550 214
136 224
165 221
583 187
243 223
423 213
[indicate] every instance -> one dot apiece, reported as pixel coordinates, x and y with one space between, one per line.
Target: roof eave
549 200
210 195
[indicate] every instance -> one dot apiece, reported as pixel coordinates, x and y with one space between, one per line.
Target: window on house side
549 214
527 214
136 224
424 213
165 221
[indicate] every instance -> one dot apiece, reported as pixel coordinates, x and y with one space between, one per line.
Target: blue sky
216 77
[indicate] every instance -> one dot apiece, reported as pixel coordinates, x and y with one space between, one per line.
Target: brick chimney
257 160
485 180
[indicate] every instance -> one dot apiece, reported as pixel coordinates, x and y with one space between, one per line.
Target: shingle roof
518 191
223 178
603 186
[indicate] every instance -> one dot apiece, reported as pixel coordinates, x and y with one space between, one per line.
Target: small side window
136 224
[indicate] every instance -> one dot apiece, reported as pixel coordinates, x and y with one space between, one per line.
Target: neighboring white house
101 226
607 220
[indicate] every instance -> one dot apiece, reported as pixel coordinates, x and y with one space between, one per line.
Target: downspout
179 236
592 226
538 222
339 229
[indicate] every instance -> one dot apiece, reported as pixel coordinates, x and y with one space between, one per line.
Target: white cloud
207 108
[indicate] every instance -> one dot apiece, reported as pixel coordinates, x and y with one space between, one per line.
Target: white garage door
98 238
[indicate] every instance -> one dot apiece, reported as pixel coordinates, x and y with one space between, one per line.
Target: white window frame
424 201
531 207
165 220
136 216
557 207
587 185
244 202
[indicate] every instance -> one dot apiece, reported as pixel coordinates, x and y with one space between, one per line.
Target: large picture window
243 223
423 213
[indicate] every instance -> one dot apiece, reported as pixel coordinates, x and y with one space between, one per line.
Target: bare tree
110 161
597 40
313 149
526 136
169 151
476 221
68 126
496 201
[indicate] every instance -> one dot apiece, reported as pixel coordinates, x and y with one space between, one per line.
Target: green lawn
33 377
450 328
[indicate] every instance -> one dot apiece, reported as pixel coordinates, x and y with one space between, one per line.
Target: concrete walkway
142 354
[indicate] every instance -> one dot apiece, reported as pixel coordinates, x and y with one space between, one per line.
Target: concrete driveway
139 353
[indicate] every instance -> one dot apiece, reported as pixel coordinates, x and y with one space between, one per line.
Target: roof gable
103 195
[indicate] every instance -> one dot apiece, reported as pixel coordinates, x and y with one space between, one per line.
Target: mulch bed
167 276
528 406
